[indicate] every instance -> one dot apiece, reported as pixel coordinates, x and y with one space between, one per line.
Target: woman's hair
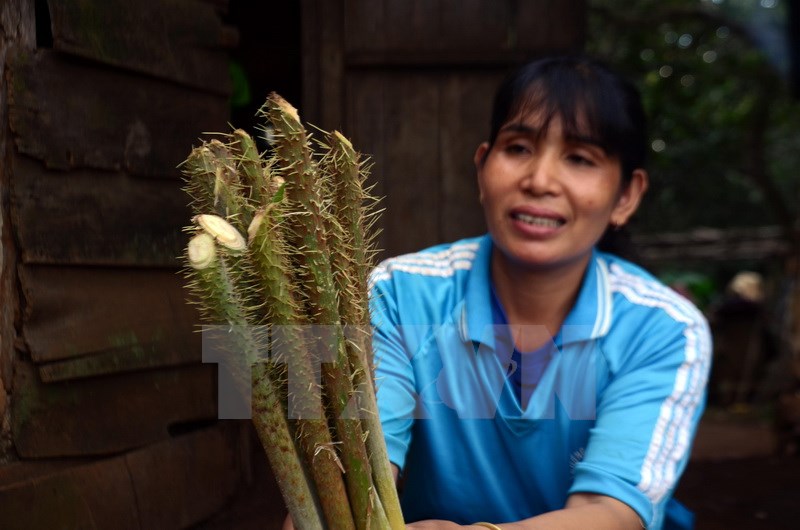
590 100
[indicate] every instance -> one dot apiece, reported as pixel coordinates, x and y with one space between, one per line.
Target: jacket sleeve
393 368
647 413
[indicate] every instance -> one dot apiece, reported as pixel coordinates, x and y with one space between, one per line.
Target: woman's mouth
537 220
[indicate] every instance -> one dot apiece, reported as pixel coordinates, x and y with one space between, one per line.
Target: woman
525 377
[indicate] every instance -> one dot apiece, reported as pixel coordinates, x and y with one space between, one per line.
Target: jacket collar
590 317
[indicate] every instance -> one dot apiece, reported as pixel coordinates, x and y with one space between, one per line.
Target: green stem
213 183
214 287
270 266
309 229
351 259
251 167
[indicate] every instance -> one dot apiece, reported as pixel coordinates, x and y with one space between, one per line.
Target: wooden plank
367 123
478 25
311 85
186 480
406 150
466 107
179 40
16 471
400 24
97 217
221 6
551 25
473 27
17 28
704 244
70 114
106 415
92 497
171 484
364 22
331 63
111 361
323 63
17 25
257 506
72 312
439 59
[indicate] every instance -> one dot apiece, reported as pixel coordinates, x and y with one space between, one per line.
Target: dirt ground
760 493
740 477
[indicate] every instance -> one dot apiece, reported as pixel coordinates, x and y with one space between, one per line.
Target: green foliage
723 122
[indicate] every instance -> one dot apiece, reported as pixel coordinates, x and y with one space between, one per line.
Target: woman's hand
435 524
430 524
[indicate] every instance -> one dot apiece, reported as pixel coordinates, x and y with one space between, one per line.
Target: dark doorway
268 58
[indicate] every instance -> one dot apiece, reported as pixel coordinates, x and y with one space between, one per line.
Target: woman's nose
541 177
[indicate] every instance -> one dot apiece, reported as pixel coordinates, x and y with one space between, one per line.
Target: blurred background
108 417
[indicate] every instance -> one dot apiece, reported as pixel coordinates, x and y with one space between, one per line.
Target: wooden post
17 29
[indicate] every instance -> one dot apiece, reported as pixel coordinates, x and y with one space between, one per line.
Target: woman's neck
536 302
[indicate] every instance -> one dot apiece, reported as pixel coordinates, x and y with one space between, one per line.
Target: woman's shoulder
434 264
638 289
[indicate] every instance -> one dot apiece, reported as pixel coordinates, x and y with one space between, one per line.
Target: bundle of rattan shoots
280 251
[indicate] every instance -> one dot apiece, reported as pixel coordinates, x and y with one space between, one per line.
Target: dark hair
588 97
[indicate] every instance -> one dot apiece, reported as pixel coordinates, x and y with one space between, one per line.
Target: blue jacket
614 412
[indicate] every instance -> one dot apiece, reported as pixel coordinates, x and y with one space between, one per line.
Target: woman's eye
516 149
579 159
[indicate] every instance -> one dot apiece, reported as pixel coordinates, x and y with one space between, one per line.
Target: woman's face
547 200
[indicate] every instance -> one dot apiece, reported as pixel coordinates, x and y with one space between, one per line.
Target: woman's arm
583 510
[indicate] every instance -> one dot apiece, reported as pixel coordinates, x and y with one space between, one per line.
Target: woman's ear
480 155
630 197
479 159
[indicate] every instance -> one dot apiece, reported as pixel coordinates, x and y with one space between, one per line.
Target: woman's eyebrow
588 140
536 131
520 128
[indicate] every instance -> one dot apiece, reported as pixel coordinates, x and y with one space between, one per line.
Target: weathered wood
497 29
456 26
478 28
311 69
96 218
222 6
395 24
258 505
408 112
547 26
465 109
418 78
438 59
704 244
422 132
187 479
17 29
17 25
12 473
172 484
366 124
106 415
72 312
72 115
93 497
180 40
323 61
112 361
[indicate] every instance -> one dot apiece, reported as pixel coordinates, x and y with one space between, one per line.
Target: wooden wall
411 82
109 416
